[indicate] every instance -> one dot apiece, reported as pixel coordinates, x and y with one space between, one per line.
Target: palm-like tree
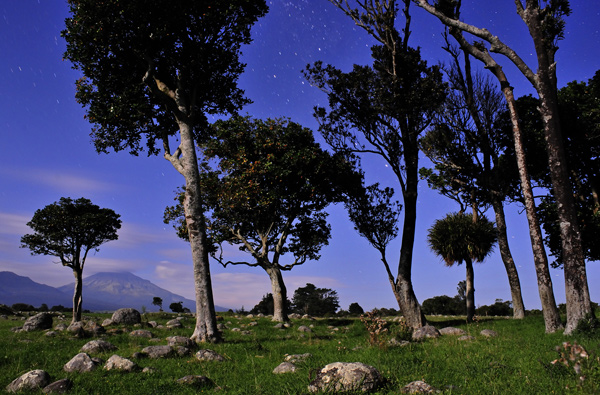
458 238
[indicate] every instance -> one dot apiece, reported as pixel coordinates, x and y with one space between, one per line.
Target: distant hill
101 292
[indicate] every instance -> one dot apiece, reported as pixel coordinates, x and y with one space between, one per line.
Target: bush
23 307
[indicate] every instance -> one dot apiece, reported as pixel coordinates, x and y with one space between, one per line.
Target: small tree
355 309
176 307
458 238
315 301
156 301
69 229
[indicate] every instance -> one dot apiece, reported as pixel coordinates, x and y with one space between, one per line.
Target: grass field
517 361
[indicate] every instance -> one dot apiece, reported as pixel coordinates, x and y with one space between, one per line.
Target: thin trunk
470 292
206 321
509 263
77 295
279 294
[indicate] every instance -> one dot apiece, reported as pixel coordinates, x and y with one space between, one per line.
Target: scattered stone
29 381
418 387
250 316
149 370
95 328
393 342
107 322
196 381
425 332
182 351
126 316
51 333
76 329
155 352
221 326
117 362
209 355
246 333
61 327
96 346
80 363
294 358
174 324
285 367
58 387
16 329
304 328
295 316
141 333
180 341
307 317
253 323
236 330
38 322
280 325
260 315
488 333
466 338
452 331
153 324
345 377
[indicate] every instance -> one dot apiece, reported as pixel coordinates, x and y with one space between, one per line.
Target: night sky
46 153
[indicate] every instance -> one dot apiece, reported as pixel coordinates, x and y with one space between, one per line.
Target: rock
80 363
76 329
294 358
209 355
117 362
96 346
253 323
236 330
174 324
180 341
126 316
153 324
141 333
488 333
51 333
58 387
307 317
250 316
279 326
107 322
196 381
61 327
466 338
285 367
38 322
393 342
155 352
95 328
182 351
294 316
425 332
149 370
304 328
452 331
345 377
29 381
418 387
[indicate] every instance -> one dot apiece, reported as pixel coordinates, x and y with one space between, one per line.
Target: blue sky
46 153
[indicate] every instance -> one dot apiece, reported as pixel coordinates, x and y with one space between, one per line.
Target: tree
382 110
69 229
155 70
444 305
355 309
315 301
268 195
459 238
176 307
546 27
156 301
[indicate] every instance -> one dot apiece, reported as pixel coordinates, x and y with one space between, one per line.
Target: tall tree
467 149
382 110
268 194
546 27
459 238
315 301
69 229
152 71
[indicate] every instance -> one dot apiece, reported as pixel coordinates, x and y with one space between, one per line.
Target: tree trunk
279 294
470 293
509 263
77 295
403 290
206 321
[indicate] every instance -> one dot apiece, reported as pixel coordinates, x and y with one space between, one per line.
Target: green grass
515 362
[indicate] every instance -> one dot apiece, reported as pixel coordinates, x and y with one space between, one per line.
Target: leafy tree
153 71
22 307
315 301
156 301
268 194
459 238
382 110
444 305
355 309
176 307
266 305
546 27
43 307
69 229
499 308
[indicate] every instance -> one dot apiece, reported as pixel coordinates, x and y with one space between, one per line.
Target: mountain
128 290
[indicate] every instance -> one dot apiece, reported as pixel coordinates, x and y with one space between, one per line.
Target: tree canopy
315 301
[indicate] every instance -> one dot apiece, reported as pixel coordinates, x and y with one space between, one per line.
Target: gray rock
279 326
58 387
96 346
155 352
425 332
253 323
107 322
345 377
209 355
466 338
418 387
182 351
29 381
149 370
51 333
180 341
174 324
153 324
77 329
126 316
294 358
304 328
488 333
141 333
196 381
95 328
38 322
452 331
117 362
61 327
285 367
393 342
80 363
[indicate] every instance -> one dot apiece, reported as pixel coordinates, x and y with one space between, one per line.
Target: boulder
466 338
425 332
95 328
31 380
96 346
294 358
174 324
304 328
155 352
452 331
77 329
58 387
209 355
81 363
180 341
38 322
345 377
107 322
141 333
285 367
418 387
126 316
488 333
117 362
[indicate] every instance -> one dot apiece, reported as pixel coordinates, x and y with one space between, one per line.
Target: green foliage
22 307
444 305
156 301
176 307
355 309
499 308
315 301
